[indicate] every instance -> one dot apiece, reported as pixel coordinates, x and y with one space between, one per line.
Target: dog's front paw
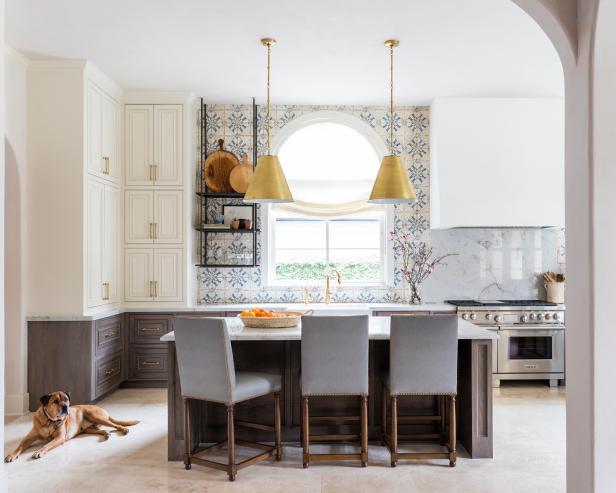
37 454
11 458
123 431
106 436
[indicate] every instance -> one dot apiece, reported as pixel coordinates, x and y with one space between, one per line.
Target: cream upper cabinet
103 134
153 216
168 144
153 145
168 277
95 235
112 272
153 274
138 274
139 142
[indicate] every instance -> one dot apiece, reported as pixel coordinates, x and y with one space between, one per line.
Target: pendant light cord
269 52
391 99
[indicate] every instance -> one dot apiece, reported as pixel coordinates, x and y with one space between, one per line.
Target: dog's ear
45 399
68 394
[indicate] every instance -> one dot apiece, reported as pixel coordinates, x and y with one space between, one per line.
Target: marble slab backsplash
489 262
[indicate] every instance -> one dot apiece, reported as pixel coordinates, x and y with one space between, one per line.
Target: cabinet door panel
110 136
95 232
138 274
168 274
139 216
168 144
139 145
168 208
94 130
111 244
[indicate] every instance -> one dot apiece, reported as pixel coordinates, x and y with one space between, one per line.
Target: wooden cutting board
241 175
217 168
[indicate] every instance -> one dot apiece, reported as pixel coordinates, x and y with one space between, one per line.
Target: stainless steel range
531 343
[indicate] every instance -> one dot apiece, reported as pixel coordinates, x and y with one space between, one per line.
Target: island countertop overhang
378 330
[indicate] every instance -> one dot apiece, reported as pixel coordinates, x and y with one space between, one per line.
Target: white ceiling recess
328 52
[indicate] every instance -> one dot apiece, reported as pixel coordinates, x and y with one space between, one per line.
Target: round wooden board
217 169
241 175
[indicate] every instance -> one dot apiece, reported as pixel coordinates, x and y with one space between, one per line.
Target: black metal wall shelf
206 195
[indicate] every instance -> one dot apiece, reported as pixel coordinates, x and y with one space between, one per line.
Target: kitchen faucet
328 291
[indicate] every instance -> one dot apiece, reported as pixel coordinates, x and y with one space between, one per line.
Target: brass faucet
328 290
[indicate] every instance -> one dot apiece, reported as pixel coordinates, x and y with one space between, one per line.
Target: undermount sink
331 309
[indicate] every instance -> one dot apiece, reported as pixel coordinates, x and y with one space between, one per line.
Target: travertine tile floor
529 456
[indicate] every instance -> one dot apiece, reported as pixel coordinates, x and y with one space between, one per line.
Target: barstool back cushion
423 355
205 358
335 355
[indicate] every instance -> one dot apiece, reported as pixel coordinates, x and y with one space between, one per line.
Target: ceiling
327 53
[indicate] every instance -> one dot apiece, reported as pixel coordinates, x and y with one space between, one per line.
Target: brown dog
56 422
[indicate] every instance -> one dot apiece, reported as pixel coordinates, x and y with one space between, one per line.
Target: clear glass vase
415 298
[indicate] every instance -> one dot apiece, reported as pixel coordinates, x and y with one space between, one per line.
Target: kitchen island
278 351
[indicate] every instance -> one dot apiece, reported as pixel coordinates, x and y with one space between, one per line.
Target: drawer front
147 362
108 373
149 328
108 334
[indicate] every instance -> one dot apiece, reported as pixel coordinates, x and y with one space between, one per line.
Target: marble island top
378 329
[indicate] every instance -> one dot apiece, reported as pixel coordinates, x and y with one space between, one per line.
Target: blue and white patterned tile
238 146
418 174
289 296
366 296
237 121
209 297
210 278
237 297
341 297
417 122
237 277
263 297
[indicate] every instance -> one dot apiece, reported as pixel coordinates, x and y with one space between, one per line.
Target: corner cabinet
103 133
154 145
154 274
153 216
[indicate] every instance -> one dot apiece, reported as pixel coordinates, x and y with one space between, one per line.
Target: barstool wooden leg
364 431
187 450
231 468
452 432
277 426
394 431
305 432
443 413
383 414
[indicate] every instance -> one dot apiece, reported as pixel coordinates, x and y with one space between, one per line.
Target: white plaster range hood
497 163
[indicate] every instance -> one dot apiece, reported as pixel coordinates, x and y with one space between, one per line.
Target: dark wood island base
208 420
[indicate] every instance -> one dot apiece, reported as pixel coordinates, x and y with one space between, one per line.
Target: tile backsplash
490 263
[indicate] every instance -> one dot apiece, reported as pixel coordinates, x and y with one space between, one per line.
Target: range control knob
473 316
539 316
556 316
488 316
465 316
498 319
533 316
524 319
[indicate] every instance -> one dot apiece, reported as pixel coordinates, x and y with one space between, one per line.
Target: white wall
604 163
16 400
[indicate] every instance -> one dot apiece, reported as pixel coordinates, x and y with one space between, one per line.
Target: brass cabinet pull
151 291
151 231
105 296
106 165
150 329
112 371
150 363
155 166
111 333
155 289
156 231
152 172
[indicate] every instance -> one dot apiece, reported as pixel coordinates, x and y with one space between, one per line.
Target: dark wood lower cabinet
208 420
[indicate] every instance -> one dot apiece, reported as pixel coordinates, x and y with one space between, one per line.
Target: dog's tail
121 422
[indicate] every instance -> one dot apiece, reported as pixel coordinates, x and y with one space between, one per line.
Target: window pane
355 233
300 265
305 234
357 264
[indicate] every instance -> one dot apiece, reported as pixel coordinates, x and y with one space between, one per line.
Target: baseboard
16 404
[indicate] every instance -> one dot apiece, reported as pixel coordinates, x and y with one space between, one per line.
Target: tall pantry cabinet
154 203
75 180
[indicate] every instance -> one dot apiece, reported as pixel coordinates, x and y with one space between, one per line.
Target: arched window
330 161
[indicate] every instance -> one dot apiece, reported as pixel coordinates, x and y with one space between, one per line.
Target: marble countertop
338 308
378 329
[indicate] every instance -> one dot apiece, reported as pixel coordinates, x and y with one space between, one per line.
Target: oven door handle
523 328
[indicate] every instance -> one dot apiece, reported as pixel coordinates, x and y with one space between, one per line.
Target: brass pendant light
268 184
392 184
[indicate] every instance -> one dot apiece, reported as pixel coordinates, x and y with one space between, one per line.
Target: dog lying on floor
56 421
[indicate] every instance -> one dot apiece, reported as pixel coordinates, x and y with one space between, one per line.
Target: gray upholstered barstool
423 359
207 373
335 363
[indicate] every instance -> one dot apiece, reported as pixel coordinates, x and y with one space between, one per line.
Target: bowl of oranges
259 318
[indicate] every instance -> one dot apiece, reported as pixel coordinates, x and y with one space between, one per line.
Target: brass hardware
151 172
106 165
151 231
112 371
306 298
328 291
111 333
156 231
151 291
150 363
392 184
150 329
155 166
105 296
268 183
155 289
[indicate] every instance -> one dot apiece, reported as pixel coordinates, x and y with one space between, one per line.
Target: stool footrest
416 419
257 458
316 419
326 457
256 426
420 455
334 438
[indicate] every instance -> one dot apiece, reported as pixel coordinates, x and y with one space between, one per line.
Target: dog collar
54 422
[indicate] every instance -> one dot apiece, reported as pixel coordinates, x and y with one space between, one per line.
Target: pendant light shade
268 184
392 184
